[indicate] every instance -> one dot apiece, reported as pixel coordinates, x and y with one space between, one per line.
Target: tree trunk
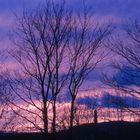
45 119
72 114
95 117
54 117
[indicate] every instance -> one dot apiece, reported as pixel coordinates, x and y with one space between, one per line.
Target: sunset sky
116 11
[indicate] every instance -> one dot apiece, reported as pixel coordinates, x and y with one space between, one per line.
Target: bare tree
87 38
43 36
61 32
7 117
54 47
128 48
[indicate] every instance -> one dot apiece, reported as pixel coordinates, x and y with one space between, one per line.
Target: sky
116 11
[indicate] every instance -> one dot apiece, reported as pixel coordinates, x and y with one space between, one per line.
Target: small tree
128 49
95 117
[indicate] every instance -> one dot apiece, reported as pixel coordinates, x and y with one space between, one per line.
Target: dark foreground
102 131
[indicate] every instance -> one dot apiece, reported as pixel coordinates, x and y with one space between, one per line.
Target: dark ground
101 131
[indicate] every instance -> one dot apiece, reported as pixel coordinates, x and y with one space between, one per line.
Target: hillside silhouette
118 130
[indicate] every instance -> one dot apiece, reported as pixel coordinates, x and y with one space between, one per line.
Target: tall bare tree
61 33
43 36
84 56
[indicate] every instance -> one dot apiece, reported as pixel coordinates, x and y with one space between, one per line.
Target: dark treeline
110 130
